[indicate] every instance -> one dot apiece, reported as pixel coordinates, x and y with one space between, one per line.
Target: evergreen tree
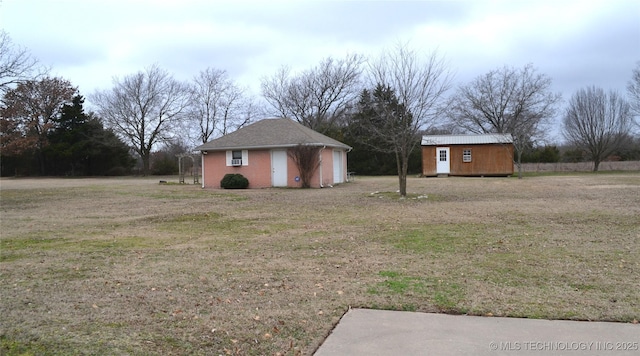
380 133
80 145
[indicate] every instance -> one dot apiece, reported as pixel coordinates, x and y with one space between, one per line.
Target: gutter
267 147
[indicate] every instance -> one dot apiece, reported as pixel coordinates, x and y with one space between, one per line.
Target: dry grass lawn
129 266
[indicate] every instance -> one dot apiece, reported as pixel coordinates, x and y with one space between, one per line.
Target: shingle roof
433 140
271 133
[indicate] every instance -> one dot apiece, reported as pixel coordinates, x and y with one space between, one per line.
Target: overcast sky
576 43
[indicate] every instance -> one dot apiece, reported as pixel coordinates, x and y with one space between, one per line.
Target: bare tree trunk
403 185
41 162
145 155
519 164
145 166
402 163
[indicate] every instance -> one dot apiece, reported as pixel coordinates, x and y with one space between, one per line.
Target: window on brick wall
238 158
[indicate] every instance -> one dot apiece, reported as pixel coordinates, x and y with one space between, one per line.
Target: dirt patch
129 266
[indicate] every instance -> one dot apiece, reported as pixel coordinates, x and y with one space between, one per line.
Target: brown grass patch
128 266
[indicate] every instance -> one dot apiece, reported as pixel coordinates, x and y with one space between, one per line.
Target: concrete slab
381 332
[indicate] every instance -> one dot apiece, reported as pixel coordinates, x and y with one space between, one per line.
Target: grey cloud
250 39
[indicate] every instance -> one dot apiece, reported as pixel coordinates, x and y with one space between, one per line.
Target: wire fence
581 166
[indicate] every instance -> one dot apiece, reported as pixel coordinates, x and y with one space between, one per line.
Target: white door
279 168
338 174
442 160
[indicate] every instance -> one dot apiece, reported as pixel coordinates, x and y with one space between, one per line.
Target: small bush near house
234 181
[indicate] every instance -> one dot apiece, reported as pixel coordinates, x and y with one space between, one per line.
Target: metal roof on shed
435 140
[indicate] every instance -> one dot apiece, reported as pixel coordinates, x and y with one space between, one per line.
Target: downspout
320 153
346 165
202 154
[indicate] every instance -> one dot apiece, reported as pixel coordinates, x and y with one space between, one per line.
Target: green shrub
234 181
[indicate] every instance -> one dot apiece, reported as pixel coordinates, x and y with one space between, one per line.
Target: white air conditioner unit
236 162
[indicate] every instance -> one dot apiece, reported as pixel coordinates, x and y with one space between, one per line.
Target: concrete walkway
380 332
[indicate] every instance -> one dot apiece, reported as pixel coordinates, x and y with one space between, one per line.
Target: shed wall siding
429 161
486 160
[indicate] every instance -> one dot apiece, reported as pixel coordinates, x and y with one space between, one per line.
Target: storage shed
467 155
260 152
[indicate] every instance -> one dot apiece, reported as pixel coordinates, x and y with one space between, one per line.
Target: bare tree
218 105
16 64
317 98
307 159
144 109
597 122
418 84
247 111
507 100
29 112
633 90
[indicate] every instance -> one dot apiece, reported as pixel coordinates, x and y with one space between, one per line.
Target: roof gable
434 140
271 133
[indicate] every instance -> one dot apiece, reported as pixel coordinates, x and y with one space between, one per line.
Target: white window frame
466 155
245 157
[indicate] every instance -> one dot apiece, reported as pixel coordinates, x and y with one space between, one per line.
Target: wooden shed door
443 163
